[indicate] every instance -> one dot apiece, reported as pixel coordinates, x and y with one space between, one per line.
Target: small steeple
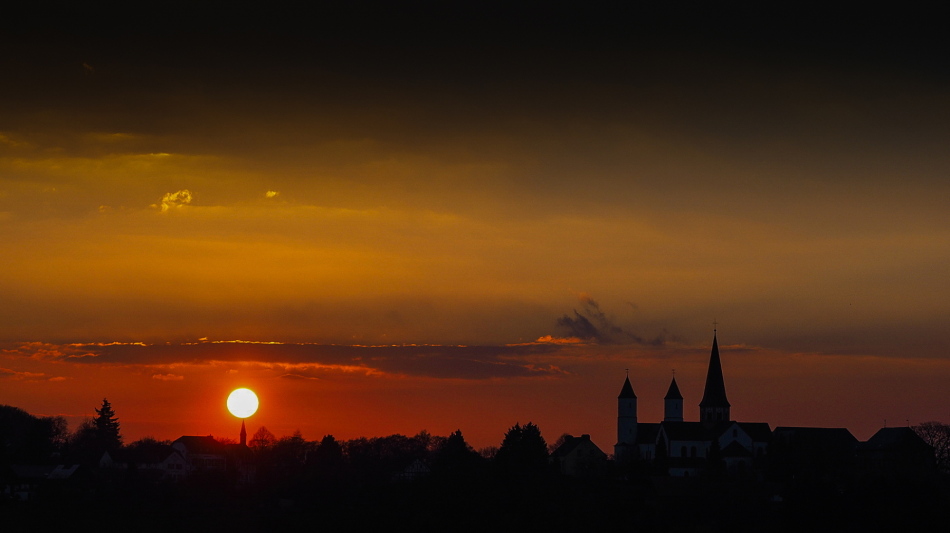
673 404
243 434
626 447
714 406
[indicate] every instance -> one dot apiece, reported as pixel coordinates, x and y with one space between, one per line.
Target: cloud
168 377
174 200
271 194
303 360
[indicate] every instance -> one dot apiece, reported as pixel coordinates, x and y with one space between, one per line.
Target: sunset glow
386 226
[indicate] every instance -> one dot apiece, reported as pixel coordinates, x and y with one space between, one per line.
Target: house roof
810 436
203 445
627 390
571 443
714 394
674 392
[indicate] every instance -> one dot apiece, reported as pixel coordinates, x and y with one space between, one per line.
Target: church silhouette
684 448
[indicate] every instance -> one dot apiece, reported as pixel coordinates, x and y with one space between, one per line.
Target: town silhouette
714 474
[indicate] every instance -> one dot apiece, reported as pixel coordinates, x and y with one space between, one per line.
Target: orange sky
368 178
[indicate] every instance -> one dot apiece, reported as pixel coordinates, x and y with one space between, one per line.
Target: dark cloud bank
446 362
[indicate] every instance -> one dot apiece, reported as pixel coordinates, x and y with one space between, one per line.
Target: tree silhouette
107 427
326 461
523 451
455 457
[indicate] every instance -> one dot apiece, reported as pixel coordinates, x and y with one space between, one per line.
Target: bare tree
937 434
263 439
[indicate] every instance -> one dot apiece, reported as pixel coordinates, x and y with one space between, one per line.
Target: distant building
579 457
201 453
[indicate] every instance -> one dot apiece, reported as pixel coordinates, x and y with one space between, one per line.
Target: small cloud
88 68
271 194
299 376
549 339
58 378
174 200
17 375
168 377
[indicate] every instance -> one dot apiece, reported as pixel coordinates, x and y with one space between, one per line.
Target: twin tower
713 408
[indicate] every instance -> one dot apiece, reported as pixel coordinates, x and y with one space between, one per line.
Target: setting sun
242 403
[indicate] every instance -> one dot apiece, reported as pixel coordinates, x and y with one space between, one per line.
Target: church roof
674 392
695 431
758 431
647 432
627 390
714 395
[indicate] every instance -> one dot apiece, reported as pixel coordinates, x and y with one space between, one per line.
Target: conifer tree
107 427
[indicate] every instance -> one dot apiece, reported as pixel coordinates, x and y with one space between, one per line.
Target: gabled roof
674 392
627 390
714 395
893 439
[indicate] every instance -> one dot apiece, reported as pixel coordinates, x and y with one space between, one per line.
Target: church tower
673 404
714 406
626 422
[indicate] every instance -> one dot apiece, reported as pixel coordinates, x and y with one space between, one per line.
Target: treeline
28 439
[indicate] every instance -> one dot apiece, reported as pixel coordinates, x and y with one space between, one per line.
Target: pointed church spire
243 434
674 392
627 390
714 406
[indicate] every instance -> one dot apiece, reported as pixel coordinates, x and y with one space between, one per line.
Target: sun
242 403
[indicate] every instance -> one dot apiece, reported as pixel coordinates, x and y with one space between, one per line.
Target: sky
388 218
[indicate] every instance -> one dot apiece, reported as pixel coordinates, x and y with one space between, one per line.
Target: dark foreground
550 503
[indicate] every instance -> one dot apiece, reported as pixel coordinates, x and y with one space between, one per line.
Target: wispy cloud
21 375
168 377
